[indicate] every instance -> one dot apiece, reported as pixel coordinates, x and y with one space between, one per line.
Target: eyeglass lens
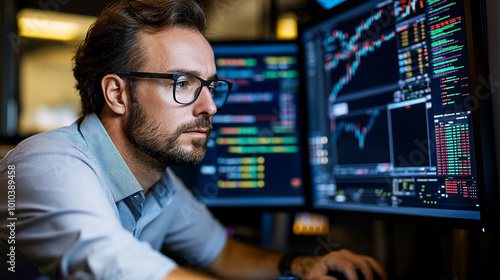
187 89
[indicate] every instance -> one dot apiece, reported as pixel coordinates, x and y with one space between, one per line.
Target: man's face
171 133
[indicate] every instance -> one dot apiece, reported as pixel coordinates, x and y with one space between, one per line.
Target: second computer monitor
255 154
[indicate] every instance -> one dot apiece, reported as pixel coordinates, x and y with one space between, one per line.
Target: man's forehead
175 46
174 41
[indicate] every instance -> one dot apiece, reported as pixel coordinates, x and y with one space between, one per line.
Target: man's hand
343 261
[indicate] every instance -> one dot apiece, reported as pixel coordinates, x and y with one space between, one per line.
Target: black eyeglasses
186 88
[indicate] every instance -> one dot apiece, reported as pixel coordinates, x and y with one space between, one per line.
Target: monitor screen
391 110
255 153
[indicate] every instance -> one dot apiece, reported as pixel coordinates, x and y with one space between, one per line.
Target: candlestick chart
348 51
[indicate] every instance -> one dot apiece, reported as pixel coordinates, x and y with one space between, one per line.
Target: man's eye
184 86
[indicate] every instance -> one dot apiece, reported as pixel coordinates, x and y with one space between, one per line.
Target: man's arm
242 261
236 261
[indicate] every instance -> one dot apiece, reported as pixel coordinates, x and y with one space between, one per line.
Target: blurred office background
40 38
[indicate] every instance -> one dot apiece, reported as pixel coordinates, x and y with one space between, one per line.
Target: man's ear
115 93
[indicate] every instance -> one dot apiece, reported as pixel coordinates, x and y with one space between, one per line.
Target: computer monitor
399 113
255 155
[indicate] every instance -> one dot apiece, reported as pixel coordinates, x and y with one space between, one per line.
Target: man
96 200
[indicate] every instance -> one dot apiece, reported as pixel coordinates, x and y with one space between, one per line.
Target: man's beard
149 137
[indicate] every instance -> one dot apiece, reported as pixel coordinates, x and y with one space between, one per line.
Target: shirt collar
165 188
118 176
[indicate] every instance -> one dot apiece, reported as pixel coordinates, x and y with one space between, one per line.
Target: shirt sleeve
194 234
66 222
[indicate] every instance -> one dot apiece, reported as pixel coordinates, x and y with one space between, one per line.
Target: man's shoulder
60 142
68 136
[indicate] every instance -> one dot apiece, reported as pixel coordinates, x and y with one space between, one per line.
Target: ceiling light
52 25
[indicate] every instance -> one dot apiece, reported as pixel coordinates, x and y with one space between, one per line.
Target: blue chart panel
328 4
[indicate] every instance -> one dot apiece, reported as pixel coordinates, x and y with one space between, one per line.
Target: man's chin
194 153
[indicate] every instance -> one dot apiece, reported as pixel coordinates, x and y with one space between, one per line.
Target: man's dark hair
112 44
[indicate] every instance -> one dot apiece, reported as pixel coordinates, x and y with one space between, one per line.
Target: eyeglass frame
176 76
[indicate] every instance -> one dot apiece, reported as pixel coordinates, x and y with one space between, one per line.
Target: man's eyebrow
213 77
192 73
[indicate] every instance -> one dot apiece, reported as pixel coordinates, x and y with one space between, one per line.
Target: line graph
362 137
352 48
360 132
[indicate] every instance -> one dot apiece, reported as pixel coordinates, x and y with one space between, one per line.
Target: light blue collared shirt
79 211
